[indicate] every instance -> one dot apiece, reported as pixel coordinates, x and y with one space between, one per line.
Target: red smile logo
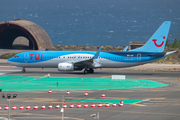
154 40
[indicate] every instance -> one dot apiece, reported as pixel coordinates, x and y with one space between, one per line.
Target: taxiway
161 103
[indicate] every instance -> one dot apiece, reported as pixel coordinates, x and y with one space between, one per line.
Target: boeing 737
89 60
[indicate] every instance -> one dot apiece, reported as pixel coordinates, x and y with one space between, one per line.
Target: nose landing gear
23 70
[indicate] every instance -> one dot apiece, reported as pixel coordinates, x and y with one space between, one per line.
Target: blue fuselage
51 59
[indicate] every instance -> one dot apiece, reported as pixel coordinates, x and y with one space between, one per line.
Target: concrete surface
159 103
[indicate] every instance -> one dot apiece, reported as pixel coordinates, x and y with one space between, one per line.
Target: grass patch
7 55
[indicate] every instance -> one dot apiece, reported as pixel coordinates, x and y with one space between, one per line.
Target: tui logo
154 40
37 56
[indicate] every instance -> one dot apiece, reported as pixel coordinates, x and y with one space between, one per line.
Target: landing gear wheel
91 70
23 70
85 71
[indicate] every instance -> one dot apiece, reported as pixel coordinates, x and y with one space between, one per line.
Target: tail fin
157 42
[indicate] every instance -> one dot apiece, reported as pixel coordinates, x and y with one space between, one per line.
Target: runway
161 103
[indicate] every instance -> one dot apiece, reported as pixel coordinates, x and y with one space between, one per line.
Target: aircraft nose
9 60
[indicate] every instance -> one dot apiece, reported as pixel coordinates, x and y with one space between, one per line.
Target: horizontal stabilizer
158 54
125 49
167 53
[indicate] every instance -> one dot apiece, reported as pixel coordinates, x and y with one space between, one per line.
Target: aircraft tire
23 70
85 71
91 70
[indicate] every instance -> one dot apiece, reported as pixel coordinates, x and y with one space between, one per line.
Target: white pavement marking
10 70
7 66
2 72
3 118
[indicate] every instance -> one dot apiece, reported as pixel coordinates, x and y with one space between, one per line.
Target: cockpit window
16 56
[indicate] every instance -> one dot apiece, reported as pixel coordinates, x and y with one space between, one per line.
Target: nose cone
10 60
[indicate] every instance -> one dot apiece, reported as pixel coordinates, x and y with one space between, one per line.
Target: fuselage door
26 55
139 57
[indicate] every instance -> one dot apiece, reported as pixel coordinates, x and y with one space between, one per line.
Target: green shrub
7 55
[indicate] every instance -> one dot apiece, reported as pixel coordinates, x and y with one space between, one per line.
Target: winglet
97 53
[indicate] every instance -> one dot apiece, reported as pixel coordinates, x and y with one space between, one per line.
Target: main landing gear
23 70
90 70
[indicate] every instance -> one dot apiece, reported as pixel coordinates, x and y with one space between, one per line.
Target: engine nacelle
65 67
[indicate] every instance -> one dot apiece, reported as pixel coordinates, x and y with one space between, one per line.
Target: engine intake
66 67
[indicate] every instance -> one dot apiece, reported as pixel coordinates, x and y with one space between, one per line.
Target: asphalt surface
159 103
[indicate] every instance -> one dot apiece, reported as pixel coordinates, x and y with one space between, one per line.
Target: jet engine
66 67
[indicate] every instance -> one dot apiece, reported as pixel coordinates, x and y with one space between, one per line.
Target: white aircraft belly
113 64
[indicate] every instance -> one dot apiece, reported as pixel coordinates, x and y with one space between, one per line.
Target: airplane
89 60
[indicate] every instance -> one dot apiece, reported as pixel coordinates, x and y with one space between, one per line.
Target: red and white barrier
71 106
103 95
14 107
86 93
121 104
58 106
107 105
35 107
67 93
86 105
21 107
93 105
64 106
50 91
28 107
50 106
114 105
99 105
6 108
43 107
